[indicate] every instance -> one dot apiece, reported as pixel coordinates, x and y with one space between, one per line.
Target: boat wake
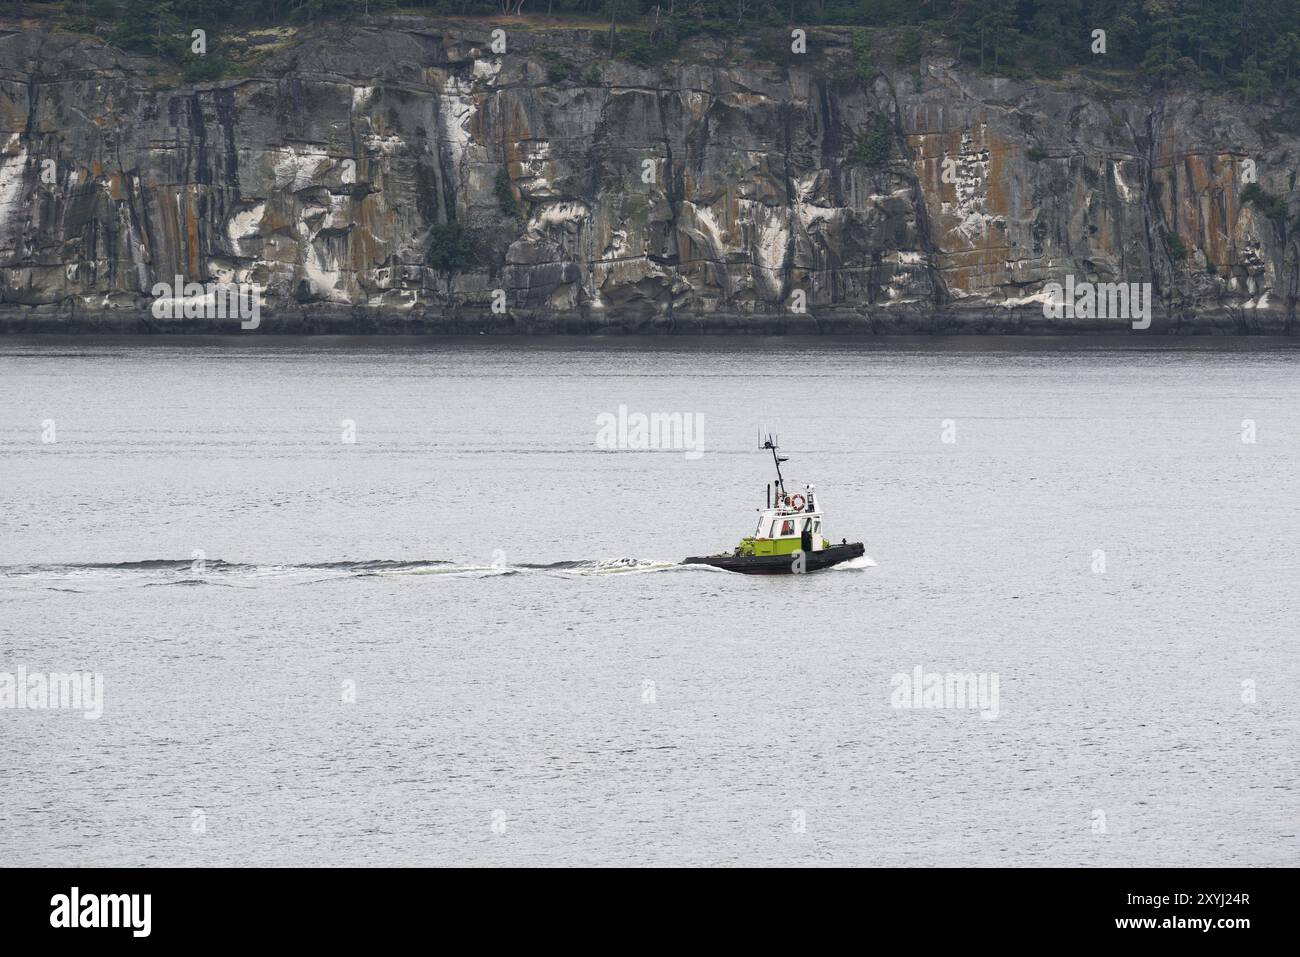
854 564
154 573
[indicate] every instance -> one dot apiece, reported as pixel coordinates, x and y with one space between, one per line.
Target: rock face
714 192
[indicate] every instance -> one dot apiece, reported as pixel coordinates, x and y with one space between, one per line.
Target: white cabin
781 529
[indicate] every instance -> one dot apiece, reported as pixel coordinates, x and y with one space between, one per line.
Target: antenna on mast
772 442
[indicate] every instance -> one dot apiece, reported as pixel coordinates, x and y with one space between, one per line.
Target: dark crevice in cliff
930 249
443 188
831 146
674 191
791 200
1161 269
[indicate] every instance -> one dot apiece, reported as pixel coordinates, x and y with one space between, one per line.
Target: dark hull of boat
780 564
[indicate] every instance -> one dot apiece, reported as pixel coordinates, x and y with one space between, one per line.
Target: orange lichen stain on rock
1101 242
975 270
380 218
728 216
929 150
697 104
997 197
689 185
274 221
477 127
970 206
515 133
1215 228
168 244
116 190
1193 178
366 249
192 246
359 245
1198 202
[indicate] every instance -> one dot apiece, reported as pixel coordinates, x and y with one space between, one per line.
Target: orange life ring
802 500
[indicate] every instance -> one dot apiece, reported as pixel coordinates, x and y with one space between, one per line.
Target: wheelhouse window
787 527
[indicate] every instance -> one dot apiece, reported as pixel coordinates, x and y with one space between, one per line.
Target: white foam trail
855 564
481 571
620 566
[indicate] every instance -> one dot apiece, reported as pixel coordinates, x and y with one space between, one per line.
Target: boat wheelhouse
794 524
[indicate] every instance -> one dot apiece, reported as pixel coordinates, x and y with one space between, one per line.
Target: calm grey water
497 591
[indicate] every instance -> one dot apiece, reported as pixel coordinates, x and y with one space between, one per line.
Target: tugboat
788 539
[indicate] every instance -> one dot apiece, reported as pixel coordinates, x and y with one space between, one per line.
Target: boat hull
781 564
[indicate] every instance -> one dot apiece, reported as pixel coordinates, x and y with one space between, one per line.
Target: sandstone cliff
716 191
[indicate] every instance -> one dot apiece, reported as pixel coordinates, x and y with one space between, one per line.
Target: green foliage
594 76
200 69
79 24
635 46
1177 248
139 28
774 48
558 69
874 145
987 33
505 195
1274 207
1035 154
863 65
910 46
887 12
1252 47
451 248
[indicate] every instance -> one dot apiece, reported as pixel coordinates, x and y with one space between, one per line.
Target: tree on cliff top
1252 46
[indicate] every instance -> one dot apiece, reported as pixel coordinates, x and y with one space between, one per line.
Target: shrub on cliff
451 249
873 146
505 194
197 69
558 69
1274 207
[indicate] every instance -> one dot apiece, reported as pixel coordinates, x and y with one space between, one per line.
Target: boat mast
771 443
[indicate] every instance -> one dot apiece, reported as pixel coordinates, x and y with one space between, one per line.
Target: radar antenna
771 442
